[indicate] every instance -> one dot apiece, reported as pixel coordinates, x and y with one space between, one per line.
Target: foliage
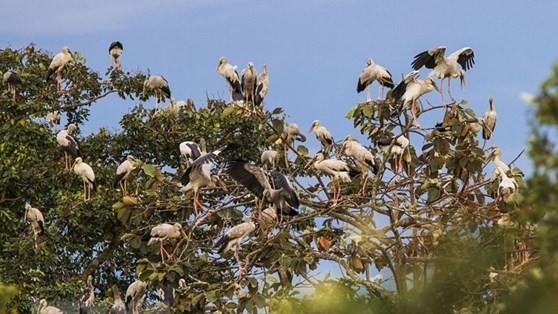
430 229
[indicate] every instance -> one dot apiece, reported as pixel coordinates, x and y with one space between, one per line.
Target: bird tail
42 226
128 304
372 164
360 86
94 185
167 91
117 179
146 236
49 74
290 212
237 95
223 241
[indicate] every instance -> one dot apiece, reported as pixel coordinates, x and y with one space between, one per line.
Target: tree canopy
430 232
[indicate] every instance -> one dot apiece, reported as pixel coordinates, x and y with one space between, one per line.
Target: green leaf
277 110
278 125
301 149
260 301
197 298
149 170
228 111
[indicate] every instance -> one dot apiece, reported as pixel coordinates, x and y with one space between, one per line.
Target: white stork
198 176
68 144
248 82
44 308
410 89
37 220
122 173
57 64
235 235
87 175
228 71
11 79
269 158
134 295
118 306
322 134
115 51
262 86
389 147
373 72
190 151
162 232
274 187
453 66
87 297
338 170
489 120
160 85
53 119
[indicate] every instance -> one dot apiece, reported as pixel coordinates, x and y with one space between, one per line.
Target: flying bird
190 151
118 306
489 120
394 146
453 66
373 72
322 134
162 232
235 235
122 173
68 144
248 82
115 51
87 297
35 217
228 71
11 79
58 64
158 84
410 89
44 308
134 296
87 175
198 176
262 86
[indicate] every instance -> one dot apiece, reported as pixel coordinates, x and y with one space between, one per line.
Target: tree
430 227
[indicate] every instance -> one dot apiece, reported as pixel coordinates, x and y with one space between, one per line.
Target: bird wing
251 177
195 150
72 148
464 56
399 90
280 181
209 159
241 230
429 58
365 78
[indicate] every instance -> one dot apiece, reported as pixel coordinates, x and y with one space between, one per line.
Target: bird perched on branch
11 79
338 170
229 73
134 296
67 142
373 72
118 306
322 134
291 132
453 66
190 151
162 232
87 175
262 86
58 63
53 119
115 51
363 156
37 220
122 173
235 235
489 120
158 84
44 308
248 82
394 146
269 158
87 297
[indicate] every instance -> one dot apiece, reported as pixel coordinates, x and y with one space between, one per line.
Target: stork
11 79
453 66
198 176
363 156
190 151
87 175
338 170
229 73
262 86
269 158
267 220
489 120
274 187
291 132
496 154
235 235
118 306
44 308
506 186
158 84
68 144
174 107
373 72
87 297
162 232
58 64
394 146
37 220
248 82
115 51
122 173
134 295
322 134
53 119
410 89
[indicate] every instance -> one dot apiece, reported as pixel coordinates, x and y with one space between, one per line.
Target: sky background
314 50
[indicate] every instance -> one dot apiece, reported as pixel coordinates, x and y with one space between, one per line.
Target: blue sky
314 50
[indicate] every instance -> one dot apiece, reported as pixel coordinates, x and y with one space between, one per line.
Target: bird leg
368 97
414 112
442 91
380 92
169 257
241 269
449 90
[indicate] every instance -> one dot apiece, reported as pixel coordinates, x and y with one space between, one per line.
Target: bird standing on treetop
453 66
489 120
322 134
58 64
11 79
160 85
373 72
87 175
115 51
235 235
122 173
229 73
262 86
338 170
248 82
68 144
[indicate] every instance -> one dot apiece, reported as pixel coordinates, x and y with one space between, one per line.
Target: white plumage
291 132
44 308
53 119
388 147
322 134
335 168
67 142
497 153
262 86
267 219
162 232
57 64
248 82
190 151
229 73
118 306
489 120
87 175
373 72
352 148
134 296
115 51
158 84
235 235
269 158
122 173
11 79
35 217
174 107
87 297
507 185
